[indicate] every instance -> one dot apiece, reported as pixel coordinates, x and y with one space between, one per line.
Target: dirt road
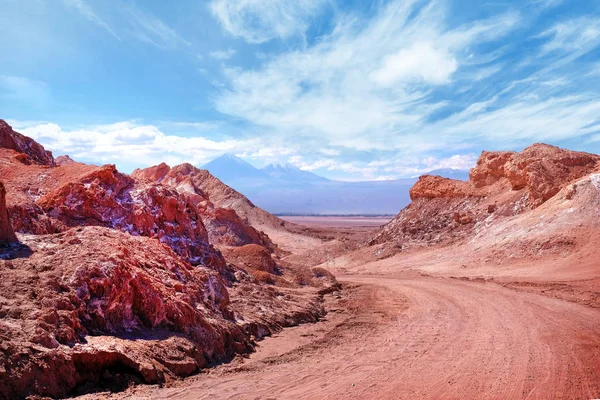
416 336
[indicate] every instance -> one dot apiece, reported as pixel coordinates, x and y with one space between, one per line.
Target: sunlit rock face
501 185
7 235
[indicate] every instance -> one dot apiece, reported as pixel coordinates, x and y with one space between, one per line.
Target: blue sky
349 90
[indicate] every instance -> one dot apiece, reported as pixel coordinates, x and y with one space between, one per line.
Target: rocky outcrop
251 257
502 184
64 160
542 169
108 198
490 167
201 185
226 228
116 280
155 173
221 195
224 225
10 139
7 235
116 287
430 187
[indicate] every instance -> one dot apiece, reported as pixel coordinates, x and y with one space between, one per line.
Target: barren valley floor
395 331
349 221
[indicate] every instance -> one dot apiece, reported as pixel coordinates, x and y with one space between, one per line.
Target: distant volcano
286 189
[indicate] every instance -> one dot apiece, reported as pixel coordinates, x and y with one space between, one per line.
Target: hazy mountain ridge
291 172
286 189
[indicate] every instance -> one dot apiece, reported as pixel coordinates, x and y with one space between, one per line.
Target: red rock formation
26 183
224 226
430 187
155 173
7 235
542 169
503 184
490 167
103 290
108 198
219 194
10 139
566 224
100 281
201 183
64 160
252 257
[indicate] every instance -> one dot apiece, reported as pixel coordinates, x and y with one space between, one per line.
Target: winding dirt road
418 337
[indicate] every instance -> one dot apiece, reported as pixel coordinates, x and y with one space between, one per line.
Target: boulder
109 198
251 257
10 139
224 226
93 302
431 186
7 235
541 169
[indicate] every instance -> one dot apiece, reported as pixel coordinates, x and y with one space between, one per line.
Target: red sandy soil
355 222
404 335
481 289
485 289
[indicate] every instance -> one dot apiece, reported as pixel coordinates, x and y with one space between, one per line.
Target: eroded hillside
114 279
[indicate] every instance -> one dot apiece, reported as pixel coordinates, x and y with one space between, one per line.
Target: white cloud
196 126
153 30
385 168
269 154
222 54
258 21
88 13
576 35
404 81
320 164
421 61
385 178
458 161
524 120
372 87
139 24
361 87
129 143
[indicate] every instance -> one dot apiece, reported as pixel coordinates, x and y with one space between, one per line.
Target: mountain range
286 189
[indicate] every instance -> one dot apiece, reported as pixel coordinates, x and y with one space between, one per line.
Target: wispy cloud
153 30
575 35
85 10
420 62
523 120
29 91
258 21
115 143
393 167
361 79
222 54
408 83
548 3
139 24
388 89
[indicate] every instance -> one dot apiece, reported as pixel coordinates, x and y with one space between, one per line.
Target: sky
350 90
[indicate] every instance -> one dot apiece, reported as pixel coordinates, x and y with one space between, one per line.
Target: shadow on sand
11 251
